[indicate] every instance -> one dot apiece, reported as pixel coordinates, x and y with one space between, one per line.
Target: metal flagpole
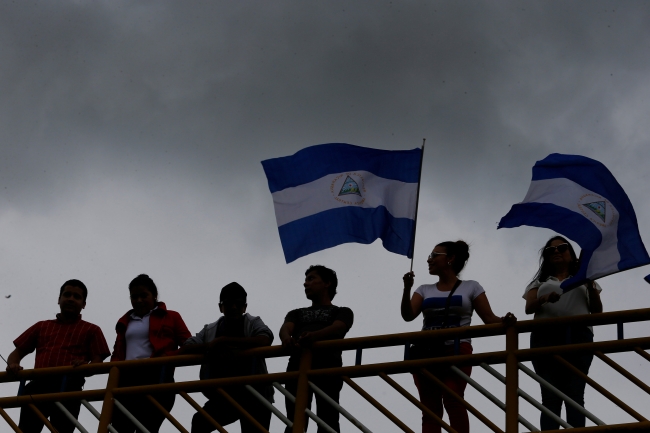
417 202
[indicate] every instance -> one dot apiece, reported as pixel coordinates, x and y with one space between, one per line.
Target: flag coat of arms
336 193
579 198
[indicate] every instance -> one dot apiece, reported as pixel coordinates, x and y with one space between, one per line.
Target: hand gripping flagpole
417 202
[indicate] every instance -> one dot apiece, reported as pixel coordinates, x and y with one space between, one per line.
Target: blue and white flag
579 198
336 193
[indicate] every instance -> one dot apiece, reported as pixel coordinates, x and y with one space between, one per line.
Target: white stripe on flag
571 195
298 202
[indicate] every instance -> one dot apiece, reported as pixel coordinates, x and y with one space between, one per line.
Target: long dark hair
546 268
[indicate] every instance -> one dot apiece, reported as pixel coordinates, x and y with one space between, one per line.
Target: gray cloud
131 135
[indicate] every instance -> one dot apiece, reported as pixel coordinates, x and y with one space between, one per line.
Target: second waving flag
580 198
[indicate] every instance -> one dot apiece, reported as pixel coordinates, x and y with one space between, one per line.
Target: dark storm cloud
131 135
205 91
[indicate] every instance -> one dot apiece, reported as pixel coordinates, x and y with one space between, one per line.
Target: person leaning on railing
446 304
66 341
149 330
321 321
235 330
544 297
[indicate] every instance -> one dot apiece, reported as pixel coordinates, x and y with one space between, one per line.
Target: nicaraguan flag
331 194
579 198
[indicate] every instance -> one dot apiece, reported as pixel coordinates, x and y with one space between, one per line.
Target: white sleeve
534 285
477 289
600 289
420 291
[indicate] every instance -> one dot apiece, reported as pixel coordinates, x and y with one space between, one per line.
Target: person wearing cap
235 330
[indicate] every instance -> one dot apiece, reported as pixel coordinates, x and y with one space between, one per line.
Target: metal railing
512 357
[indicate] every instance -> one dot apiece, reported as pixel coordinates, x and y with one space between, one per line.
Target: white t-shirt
138 345
572 303
461 306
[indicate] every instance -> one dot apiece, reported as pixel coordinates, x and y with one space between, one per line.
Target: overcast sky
131 135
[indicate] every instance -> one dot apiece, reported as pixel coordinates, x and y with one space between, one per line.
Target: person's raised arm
411 307
13 361
484 311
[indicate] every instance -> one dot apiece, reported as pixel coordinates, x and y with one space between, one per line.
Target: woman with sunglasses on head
448 303
149 330
545 298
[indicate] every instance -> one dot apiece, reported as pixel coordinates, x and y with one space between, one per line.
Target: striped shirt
58 343
461 306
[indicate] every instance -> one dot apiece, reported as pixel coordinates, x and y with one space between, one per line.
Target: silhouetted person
149 330
234 331
321 321
545 298
448 303
65 341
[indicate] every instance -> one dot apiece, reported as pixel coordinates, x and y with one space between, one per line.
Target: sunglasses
434 254
562 248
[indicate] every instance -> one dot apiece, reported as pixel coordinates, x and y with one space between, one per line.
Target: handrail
511 356
349 371
354 343
609 318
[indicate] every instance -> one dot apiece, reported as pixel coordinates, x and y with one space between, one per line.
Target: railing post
512 379
619 331
302 392
107 407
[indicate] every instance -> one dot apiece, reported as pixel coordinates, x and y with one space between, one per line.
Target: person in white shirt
149 330
545 298
443 309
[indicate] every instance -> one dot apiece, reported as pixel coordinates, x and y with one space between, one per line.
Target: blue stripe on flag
343 225
593 175
561 220
314 162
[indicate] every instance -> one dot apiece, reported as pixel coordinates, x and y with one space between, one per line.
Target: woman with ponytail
447 303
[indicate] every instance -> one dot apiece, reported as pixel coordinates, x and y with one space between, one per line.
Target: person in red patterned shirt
65 341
